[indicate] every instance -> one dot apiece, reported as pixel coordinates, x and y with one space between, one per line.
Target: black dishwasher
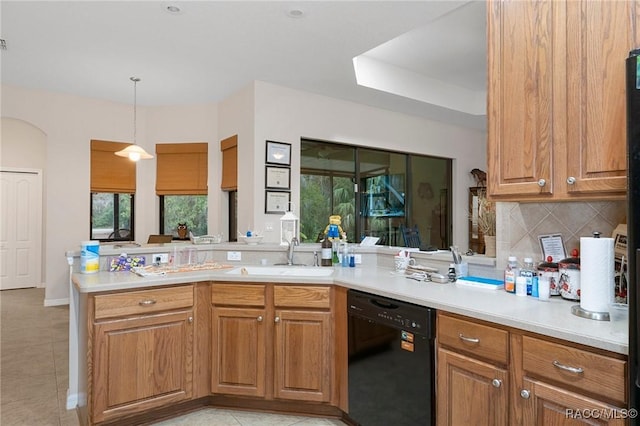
391 361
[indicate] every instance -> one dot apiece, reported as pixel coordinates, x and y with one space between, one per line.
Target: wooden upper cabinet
600 35
520 107
556 98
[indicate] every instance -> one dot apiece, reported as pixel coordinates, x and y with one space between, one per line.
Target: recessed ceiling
208 50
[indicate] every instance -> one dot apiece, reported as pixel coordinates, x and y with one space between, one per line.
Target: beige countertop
552 318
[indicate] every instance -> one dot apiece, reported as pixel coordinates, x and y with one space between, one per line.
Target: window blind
182 168
229 148
110 173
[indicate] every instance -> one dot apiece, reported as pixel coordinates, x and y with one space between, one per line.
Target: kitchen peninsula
193 308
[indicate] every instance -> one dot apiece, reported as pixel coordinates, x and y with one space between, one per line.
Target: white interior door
20 229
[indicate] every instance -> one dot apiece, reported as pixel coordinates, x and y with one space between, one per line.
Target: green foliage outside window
189 209
110 212
317 193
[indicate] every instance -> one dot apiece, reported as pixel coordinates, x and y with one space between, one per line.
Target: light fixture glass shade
134 153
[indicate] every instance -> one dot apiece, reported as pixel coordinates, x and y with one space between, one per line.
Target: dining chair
411 236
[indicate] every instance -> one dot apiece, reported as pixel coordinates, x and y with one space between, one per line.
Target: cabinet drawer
480 340
302 296
238 294
579 368
143 301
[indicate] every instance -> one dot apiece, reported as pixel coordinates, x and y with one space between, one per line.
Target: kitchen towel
597 273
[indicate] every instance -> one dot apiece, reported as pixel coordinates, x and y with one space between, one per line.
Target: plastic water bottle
345 255
510 274
530 273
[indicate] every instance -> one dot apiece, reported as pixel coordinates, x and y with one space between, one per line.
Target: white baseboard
75 400
72 400
56 302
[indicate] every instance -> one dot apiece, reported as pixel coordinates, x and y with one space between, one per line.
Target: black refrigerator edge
633 223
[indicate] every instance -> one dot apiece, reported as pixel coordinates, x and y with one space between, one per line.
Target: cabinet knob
571 180
147 302
542 182
525 394
277 319
496 383
259 318
190 319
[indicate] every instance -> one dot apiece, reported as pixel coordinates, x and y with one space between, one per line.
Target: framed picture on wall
276 202
278 153
277 177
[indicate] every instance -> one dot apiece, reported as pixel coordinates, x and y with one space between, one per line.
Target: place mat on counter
153 270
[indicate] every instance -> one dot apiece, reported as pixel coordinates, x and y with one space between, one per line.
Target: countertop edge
551 319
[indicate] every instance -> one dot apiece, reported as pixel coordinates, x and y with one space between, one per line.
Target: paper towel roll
596 273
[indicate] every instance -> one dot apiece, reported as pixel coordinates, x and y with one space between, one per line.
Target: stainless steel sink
287 271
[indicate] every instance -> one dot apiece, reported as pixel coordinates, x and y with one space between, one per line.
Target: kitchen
305 114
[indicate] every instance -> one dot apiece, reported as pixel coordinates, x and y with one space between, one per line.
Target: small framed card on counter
277 177
276 202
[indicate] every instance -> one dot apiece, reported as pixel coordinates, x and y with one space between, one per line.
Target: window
189 209
181 184
326 188
113 185
394 189
111 216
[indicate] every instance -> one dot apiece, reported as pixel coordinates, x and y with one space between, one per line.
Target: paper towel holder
583 313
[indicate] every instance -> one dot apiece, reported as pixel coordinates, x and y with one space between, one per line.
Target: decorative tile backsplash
520 224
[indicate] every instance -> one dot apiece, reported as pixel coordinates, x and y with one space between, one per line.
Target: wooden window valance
182 168
229 148
110 173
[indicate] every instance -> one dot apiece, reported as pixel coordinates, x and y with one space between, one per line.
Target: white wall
256 113
287 115
69 123
236 117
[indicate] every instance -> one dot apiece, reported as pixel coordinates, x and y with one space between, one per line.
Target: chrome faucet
294 242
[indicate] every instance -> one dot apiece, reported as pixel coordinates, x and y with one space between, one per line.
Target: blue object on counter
481 282
352 261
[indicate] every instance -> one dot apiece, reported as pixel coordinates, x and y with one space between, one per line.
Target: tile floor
34 372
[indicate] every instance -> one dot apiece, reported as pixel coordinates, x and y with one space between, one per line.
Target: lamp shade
134 153
288 227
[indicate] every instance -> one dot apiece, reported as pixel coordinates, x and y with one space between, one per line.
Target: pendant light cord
135 108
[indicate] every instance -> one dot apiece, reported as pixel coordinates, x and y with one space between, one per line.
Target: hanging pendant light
134 152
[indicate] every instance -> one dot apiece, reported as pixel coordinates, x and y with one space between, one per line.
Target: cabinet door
238 351
600 35
303 355
522 57
544 404
141 363
470 391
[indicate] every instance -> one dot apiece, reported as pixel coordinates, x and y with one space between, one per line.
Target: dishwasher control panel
390 312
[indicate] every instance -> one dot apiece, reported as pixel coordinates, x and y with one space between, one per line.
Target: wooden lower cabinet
238 362
545 404
272 341
471 391
140 361
494 375
303 355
